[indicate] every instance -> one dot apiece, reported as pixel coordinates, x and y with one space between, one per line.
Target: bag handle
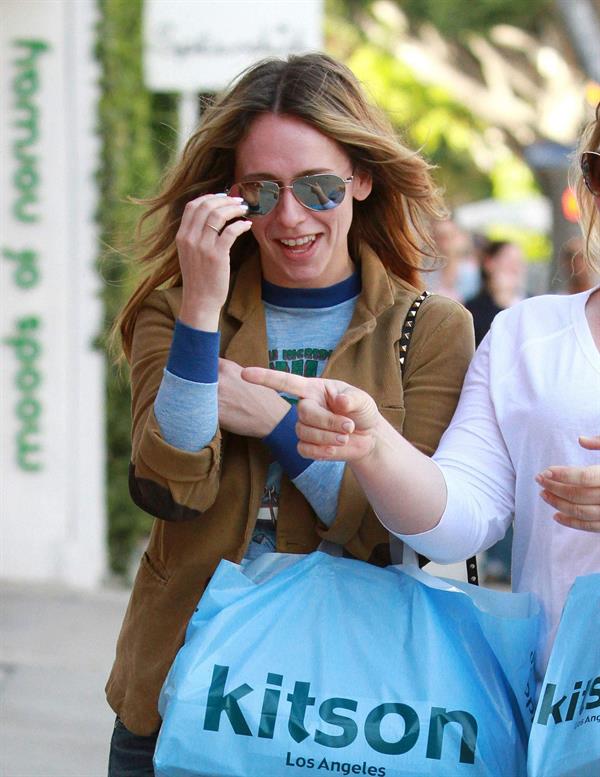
404 342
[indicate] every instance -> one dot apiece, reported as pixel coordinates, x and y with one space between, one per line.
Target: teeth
300 241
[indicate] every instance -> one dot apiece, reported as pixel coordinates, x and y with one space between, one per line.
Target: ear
362 184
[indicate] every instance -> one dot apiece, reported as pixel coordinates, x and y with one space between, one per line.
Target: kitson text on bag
585 695
219 701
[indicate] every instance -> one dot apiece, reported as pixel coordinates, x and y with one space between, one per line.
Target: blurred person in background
290 233
458 276
523 446
503 275
579 275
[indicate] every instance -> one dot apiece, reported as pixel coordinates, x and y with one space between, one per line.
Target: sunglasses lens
320 192
317 192
590 167
261 196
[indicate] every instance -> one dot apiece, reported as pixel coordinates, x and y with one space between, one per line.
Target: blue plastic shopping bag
565 736
302 665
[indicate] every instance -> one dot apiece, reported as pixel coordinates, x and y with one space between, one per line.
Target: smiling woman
290 234
302 239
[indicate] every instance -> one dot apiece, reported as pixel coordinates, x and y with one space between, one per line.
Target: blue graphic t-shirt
303 328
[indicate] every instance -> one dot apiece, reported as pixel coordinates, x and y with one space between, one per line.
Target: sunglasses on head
590 168
323 191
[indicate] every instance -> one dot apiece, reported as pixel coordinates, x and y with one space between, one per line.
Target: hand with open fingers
574 491
245 408
336 421
204 239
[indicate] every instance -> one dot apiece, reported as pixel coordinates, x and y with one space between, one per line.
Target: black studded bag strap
404 342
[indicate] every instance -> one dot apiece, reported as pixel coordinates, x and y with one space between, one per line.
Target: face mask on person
468 279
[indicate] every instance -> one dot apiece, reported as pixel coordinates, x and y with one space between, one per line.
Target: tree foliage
456 18
506 63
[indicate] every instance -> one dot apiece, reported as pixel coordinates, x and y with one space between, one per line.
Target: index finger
591 443
280 381
574 476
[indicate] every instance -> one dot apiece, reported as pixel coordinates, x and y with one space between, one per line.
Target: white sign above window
201 45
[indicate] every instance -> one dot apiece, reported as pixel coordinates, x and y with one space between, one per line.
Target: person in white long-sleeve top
523 446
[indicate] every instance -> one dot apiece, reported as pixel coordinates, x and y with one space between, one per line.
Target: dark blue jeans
130 754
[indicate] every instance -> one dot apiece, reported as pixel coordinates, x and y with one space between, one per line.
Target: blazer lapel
248 345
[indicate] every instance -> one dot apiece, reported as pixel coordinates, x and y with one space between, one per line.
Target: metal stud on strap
407 329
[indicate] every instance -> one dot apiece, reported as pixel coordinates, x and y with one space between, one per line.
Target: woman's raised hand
574 491
203 242
336 420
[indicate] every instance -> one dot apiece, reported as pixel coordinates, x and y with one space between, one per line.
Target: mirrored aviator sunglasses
590 168
315 192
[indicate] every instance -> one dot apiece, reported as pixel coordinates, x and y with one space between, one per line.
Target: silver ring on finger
216 229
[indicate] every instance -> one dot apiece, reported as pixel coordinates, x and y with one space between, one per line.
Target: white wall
51 381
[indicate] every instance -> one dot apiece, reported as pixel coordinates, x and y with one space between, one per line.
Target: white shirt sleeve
478 471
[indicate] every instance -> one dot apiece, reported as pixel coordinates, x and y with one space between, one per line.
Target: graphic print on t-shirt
301 340
309 362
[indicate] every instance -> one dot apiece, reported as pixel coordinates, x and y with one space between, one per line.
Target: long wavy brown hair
590 141
325 94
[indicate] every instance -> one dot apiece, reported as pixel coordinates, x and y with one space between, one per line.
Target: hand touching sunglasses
323 191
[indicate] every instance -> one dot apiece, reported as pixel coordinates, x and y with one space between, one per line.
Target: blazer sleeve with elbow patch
165 481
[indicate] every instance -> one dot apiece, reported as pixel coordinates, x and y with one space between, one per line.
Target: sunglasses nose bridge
289 205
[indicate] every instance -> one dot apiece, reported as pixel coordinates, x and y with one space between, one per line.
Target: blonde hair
325 94
589 141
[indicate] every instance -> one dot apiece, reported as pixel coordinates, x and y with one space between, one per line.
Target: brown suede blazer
206 502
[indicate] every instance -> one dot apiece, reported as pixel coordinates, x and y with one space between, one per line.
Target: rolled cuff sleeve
194 354
283 444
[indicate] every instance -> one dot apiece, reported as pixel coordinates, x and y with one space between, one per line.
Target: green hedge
137 135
